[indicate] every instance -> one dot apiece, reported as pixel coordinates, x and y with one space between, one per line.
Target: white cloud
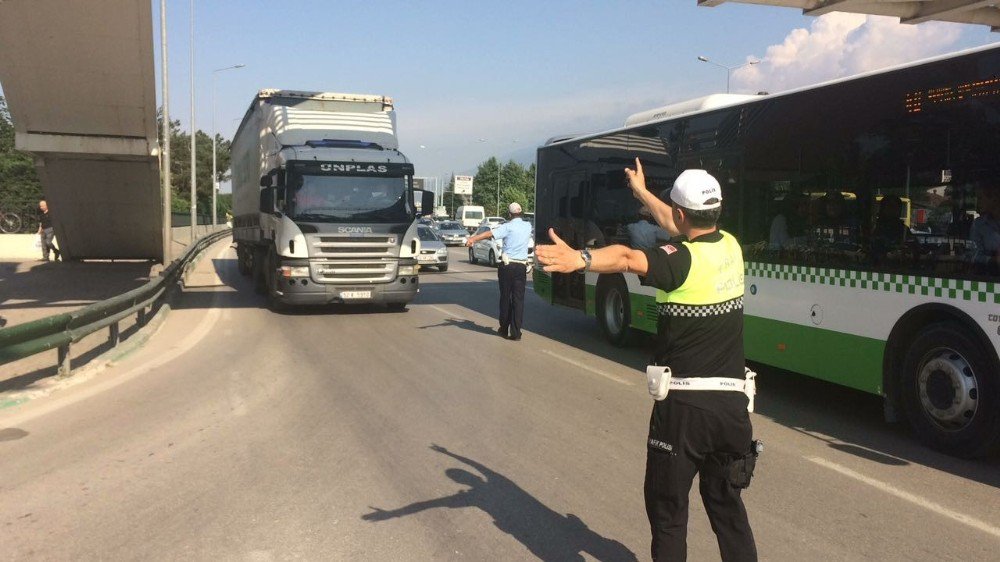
838 45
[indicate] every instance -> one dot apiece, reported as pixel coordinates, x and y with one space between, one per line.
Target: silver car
433 252
452 233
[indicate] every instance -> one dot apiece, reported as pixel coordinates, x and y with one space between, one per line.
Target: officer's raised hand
558 257
636 180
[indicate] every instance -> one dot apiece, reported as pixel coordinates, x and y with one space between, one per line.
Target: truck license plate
356 294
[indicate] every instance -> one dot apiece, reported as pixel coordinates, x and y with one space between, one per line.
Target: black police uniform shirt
695 346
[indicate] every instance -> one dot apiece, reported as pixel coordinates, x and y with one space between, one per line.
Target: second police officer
700 338
513 269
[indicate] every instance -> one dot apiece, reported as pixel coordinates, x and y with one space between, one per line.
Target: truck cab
334 209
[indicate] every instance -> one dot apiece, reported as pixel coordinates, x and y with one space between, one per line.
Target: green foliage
18 178
180 166
517 184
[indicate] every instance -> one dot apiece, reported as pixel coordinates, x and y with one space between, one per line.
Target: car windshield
450 226
426 234
315 198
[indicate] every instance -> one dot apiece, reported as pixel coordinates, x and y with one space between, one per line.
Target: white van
470 216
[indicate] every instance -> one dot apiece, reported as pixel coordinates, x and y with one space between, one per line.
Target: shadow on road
844 419
463 324
547 534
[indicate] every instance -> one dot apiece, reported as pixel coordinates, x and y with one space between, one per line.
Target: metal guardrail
61 331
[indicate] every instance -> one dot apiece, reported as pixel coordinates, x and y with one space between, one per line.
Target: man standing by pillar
45 231
512 271
694 428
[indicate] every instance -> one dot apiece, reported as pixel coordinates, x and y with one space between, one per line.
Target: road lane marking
448 313
914 499
586 367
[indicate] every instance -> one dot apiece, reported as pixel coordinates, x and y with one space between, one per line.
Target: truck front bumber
305 290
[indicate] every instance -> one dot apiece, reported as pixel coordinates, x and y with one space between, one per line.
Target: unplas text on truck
323 200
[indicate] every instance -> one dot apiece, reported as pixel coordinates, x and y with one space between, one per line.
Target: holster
740 469
658 381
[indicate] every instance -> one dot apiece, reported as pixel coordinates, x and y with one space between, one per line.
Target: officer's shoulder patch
668 248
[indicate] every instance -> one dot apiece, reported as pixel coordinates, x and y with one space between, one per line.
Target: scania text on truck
323 200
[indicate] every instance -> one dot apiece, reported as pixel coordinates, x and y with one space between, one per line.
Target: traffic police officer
512 271
700 338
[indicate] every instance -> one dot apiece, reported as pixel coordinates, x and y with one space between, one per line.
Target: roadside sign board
463 185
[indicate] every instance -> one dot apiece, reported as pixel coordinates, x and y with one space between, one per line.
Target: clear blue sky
515 72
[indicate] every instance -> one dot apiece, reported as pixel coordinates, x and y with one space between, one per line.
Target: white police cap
696 190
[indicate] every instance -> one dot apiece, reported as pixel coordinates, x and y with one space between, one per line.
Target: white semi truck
323 201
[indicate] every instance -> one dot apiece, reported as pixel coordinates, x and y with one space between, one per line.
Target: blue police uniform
516 236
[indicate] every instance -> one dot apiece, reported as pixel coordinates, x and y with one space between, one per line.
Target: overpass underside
80 86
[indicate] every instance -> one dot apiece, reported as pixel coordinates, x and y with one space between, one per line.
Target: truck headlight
407 270
297 271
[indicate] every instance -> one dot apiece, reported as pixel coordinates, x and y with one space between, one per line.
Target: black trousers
512 280
697 437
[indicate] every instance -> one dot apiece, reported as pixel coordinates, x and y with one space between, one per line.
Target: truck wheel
613 311
257 268
271 278
243 260
472 256
493 259
397 306
951 391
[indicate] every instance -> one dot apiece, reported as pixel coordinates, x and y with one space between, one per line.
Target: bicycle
10 222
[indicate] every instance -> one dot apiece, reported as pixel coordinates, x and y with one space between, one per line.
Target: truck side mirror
427 202
267 200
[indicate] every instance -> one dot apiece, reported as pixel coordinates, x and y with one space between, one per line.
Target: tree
180 167
517 184
18 177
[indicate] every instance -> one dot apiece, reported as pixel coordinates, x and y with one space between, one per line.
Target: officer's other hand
636 179
558 257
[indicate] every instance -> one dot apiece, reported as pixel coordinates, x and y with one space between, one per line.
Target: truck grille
352 272
353 246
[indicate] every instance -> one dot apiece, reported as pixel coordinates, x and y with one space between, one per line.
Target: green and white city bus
868 212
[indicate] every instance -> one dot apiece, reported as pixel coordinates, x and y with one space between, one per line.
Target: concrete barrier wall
18 247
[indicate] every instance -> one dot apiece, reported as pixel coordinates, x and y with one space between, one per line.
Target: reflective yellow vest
716 274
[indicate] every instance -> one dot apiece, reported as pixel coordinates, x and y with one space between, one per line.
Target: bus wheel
472 257
951 392
613 312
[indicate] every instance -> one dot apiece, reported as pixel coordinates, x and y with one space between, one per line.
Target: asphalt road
361 434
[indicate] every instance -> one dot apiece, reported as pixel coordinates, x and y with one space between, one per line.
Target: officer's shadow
547 534
463 324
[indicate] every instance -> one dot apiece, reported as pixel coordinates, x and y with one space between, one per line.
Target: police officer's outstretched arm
661 211
561 258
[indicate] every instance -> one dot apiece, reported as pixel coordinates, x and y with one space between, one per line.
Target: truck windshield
316 198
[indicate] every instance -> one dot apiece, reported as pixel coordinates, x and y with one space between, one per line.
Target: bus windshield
322 198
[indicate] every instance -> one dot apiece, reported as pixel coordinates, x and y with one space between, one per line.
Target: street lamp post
194 188
729 69
215 181
165 151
